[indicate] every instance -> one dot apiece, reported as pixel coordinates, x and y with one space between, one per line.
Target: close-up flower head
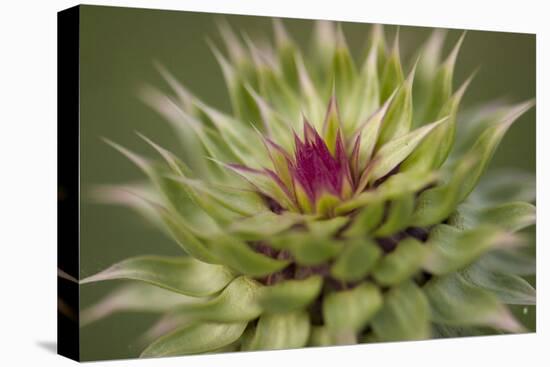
343 199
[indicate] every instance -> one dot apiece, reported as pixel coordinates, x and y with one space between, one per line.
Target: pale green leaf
398 119
184 275
392 75
264 225
509 261
280 331
326 227
194 339
365 96
400 264
436 204
356 260
455 302
345 73
442 84
404 316
511 217
451 249
429 58
350 311
239 256
484 148
286 53
395 186
237 302
509 288
395 151
501 186
366 220
433 151
307 248
398 217
290 295
320 337
367 133
332 125
185 236
134 297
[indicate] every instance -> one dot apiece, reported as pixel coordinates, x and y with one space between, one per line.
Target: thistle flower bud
329 206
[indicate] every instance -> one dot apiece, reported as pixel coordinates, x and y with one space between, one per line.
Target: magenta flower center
316 169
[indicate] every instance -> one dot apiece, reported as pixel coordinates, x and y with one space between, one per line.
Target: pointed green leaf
501 186
290 295
195 338
484 148
239 137
429 58
135 297
451 249
368 135
365 96
400 264
280 331
436 204
455 302
264 182
185 236
242 102
509 261
131 195
392 76
442 84
313 105
356 260
378 41
324 39
332 125
397 121
404 316
211 198
345 73
286 53
511 217
350 311
396 150
275 90
435 148
179 274
172 111
510 289
275 125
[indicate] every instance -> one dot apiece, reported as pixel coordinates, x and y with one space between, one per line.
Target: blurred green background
118 48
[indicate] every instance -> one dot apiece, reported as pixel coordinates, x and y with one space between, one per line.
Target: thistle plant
339 202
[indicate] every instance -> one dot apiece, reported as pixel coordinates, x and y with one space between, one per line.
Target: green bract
336 204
